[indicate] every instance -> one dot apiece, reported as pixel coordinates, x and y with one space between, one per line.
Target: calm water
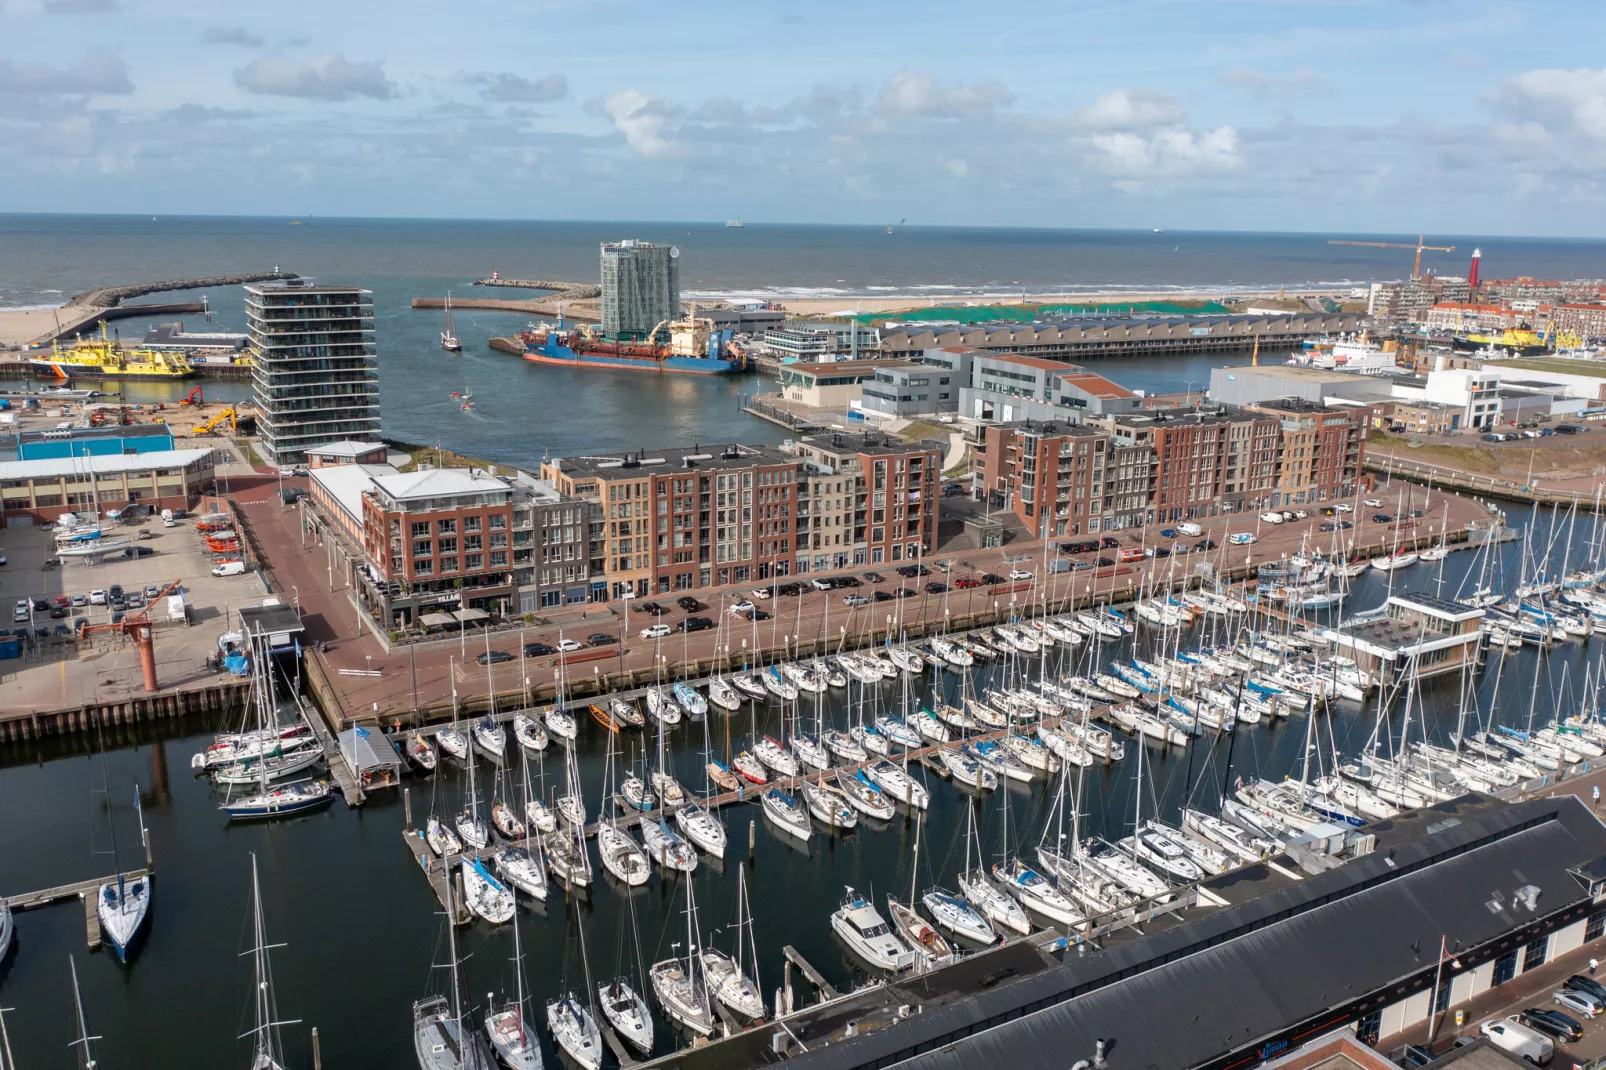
360 923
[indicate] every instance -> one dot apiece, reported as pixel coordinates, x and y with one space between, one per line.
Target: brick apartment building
679 519
895 491
1586 321
1050 475
1319 457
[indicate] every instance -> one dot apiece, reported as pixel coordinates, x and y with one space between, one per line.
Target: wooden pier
86 891
815 977
344 776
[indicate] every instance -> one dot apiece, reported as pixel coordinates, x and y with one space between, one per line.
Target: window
473 542
1596 928
1367 1029
471 523
442 527
423 568
1534 954
448 546
1505 968
448 564
498 558
421 529
497 520
421 548
498 540
473 562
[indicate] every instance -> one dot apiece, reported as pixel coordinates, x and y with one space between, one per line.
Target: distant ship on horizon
737 223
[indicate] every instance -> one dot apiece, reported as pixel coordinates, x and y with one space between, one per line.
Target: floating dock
87 891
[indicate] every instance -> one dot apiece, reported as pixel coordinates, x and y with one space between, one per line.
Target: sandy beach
831 306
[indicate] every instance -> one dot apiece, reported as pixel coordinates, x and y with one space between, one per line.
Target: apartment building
558 547
1010 387
1319 452
1051 475
1202 462
825 509
895 492
680 519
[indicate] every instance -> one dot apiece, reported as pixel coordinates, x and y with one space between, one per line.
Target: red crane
138 628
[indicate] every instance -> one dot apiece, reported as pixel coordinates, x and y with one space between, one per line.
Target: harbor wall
1534 493
213 699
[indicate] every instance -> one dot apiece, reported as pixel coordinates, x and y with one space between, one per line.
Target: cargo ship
104 358
691 346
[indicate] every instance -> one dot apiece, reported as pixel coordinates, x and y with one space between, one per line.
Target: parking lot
56 669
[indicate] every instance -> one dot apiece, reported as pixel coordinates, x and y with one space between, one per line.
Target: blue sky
1365 115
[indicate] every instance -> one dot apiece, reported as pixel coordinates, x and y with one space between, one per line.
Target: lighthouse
1472 276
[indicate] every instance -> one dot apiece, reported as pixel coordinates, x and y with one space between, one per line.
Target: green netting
970 314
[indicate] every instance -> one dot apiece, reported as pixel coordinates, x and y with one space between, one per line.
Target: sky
1376 116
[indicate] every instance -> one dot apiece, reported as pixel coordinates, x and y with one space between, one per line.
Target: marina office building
1396 929
640 287
314 371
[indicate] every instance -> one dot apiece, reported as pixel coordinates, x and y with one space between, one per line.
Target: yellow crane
1416 268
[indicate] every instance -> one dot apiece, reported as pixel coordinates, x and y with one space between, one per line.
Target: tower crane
1416 268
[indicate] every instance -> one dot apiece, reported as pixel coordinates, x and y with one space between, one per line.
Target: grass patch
250 454
1560 365
917 430
434 456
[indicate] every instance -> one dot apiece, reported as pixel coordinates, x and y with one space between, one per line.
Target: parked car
1586 984
229 568
744 606
846 581
1161 551
874 577
855 600
791 590
1017 574
1567 429
936 588
652 607
1241 538
1373 503
1300 514
97 597
569 646
539 650
1192 531
133 601
911 571
906 592
1344 507
884 596
696 624
1205 544
1105 562
1272 517
821 583
1327 527
1576 999
1168 533
82 599
1557 1024
601 639
964 583
494 657
760 592
990 578
151 591
1382 518
42 605
655 631
689 604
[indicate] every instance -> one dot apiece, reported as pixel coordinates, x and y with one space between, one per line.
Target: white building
1476 392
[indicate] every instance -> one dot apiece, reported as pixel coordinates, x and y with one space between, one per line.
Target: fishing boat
575 1031
865 931
511 1038
484 895
788 812
666 847
439 1038
626 1012
449 341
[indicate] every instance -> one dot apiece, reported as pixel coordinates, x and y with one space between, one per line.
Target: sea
524 413
361 935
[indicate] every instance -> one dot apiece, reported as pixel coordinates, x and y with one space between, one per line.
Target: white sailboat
449 340
512 1039
122 904
268 1052
728 981
439 1038
573 1025
678 983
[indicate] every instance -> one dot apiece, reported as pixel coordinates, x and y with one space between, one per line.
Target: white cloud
1122 109
641 120
516 89
232 35
329 76
1173 151
96 73
914 95
1565 102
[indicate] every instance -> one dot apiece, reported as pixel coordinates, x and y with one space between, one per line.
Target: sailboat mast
86 1054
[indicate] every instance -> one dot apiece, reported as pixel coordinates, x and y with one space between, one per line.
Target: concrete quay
40 326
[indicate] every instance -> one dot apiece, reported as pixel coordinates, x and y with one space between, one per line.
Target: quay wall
213 699
1534 493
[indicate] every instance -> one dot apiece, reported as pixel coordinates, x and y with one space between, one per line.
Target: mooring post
317 1055
407 808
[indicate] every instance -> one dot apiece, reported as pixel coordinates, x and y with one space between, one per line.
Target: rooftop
1442 607
438 483
1289 371
100 464
1096 385
278 287
626 465
847 367
1058 367
346 448
346 484
869 443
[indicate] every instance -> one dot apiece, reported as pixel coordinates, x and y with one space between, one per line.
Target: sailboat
697 822
621 855
727 979
678 982
449 340
515 1045
439 1038
268 1052
520 866
999 909
484 895
86 1054
929 946
122 903
283 800
571 1022
622 1005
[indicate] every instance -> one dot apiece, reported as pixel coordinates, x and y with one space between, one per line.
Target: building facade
1586 321
683 519
1050 475
819 341
640 287
1318 452
36 491
314 371
901 390
895 492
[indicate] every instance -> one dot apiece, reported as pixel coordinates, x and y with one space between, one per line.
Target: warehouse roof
100 464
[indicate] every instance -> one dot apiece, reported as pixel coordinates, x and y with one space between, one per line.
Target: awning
471 616
438 620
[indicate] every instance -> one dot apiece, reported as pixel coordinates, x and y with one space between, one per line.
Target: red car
965 582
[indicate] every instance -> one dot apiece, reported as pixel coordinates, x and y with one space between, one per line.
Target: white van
1272 518
1192 531
229 568
1512 1036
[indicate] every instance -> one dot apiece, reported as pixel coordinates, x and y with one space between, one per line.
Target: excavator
228 414
194 397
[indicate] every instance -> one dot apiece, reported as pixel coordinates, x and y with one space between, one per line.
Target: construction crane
1416 268
138 628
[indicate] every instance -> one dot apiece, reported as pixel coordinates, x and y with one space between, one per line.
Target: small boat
747 685
452 741
561 723
490 738
870 740
930 726
1398 559
122 906
750 768
811 753
1035 892
788 812
449 339
572 810
529 733
420 753
471 829
506 822
998 908
865 931
539 816
665 846
682 996
897 783
575 1031
956 915
689 699
1164 852
626 714
778 685
670 794
719 773
896 731
662 708
844 746
723 695
929 946
966 770
523 870
621 855
271 766
699 825
484 895
730 985
442 840
829 805
637 794
604 717
625 1010
8 928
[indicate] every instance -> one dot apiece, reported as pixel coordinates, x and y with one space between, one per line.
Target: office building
314 371
1010 387
640 287
683 518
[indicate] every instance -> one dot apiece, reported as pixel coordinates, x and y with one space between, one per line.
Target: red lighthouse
1472 276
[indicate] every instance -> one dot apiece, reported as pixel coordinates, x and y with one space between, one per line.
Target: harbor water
362 927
